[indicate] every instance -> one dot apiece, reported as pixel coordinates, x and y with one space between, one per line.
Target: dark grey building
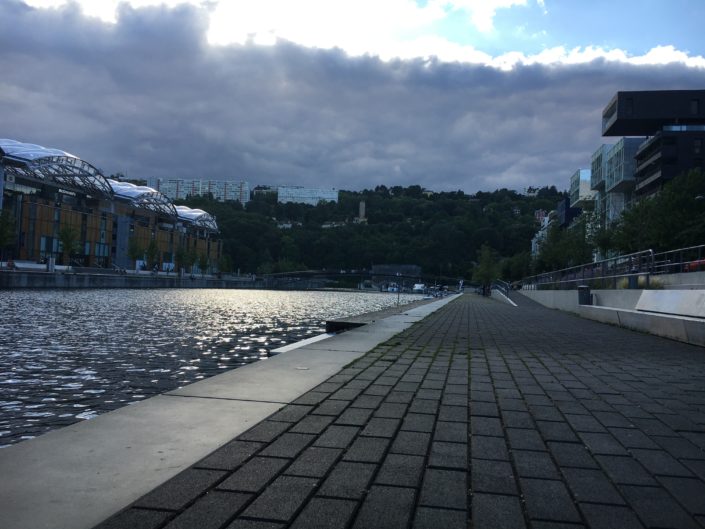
674 123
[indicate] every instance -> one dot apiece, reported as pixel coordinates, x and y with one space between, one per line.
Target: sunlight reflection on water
70 355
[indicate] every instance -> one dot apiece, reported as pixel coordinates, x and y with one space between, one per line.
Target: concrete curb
78 476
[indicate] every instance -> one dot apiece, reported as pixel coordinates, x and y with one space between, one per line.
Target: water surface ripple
68 355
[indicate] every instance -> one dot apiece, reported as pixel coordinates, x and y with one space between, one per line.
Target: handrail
632 267
502 286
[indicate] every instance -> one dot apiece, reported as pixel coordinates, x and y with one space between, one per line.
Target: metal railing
502 286
600 274
633 270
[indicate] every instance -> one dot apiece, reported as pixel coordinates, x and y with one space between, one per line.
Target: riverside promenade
481 415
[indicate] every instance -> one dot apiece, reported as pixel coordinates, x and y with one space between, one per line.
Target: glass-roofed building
52 198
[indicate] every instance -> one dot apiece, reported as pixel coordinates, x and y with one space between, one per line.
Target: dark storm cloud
150 98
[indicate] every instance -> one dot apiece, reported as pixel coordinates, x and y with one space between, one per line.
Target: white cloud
391 29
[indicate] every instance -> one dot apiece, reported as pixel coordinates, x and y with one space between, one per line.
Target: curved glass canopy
197 217
144 197
54 165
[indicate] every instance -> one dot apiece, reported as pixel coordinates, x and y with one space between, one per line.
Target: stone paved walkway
481 416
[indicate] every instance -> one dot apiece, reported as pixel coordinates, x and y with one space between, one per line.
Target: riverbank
77 476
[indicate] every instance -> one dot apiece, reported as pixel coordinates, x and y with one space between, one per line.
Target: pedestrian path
482 415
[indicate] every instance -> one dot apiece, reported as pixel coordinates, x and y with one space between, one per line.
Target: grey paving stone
454 399
325 513
522 439
254 475
401 470
430 518
136 519
572 455
689 492
678 447
288 445
291 413
602 443
180 490
411 443
378 390
281 499
455 432
492 476
486 426
328 387
381 427
548 500
210 511
367 401
230 456
402 397
354 417
660 463
633 438
330 407
444 488
591 486
265 432
388 507
424 406
311 398
312 424
584 423
348 480
314 462
346 394
697 467
367 450
417 422
653 427
625 470
448 455
610 517
517 419
612 419
657 508
556 431
453 413
490 511
392 410
535 464
484 409
546 413
483 447
337 436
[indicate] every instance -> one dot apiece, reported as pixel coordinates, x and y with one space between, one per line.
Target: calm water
70 355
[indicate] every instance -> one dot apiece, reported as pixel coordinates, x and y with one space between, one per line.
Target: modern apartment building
598 172
580 194
306 195
619 178
673 121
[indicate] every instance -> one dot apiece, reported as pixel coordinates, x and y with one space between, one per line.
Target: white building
306 195
221 190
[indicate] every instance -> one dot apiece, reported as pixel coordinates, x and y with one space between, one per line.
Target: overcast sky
447 94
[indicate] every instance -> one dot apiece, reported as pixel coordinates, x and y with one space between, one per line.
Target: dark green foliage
441 232
675 218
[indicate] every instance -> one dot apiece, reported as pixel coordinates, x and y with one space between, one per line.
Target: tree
152 254
203 263
7 231
68 237
135 251
487 268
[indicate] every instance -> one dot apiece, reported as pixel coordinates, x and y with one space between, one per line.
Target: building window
697 146
694 107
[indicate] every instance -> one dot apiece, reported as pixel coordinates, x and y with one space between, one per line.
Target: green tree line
441 232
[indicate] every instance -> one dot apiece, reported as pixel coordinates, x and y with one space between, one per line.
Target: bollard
584 297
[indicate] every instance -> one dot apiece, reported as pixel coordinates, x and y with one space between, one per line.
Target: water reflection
70 355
